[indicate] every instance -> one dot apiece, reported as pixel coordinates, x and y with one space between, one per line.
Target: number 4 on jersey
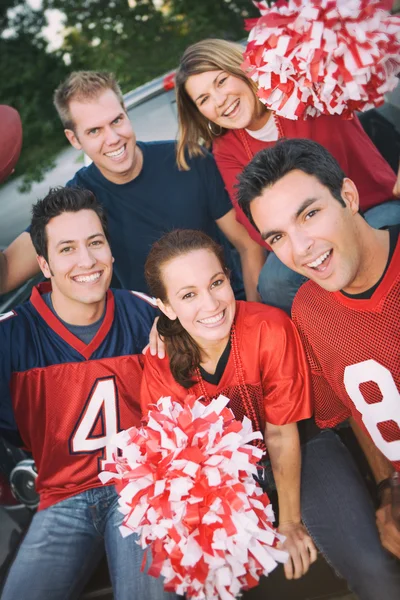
101 413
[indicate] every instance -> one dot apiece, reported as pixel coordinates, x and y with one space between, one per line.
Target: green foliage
140 40
212 18
28 77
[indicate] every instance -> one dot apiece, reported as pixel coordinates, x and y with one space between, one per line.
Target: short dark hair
270 165
58 201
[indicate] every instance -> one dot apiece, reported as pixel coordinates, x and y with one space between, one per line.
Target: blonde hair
83 86
207 55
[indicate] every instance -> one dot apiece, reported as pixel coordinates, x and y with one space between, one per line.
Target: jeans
63 545
339 515
278 284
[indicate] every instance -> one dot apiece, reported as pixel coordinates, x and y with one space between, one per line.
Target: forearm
284 451
252 261
18 263
380 466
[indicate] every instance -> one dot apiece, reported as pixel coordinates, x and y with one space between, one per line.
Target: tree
140 40
28 77
212 18
134 42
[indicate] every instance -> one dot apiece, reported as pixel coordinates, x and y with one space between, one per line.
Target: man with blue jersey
140 186
70 370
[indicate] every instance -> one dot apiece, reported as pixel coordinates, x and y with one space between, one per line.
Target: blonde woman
218 106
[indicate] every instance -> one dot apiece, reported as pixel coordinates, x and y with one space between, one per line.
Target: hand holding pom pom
312 57
186 487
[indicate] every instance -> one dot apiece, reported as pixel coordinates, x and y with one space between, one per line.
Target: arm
396 189
231 158
380 466
284 451
252 256
381 469
17 263
287 399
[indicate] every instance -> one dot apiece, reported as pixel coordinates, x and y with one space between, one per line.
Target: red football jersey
69 398
274 369
353 346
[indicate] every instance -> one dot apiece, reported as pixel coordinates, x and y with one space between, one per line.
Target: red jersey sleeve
157 381
231 158
329 410
285 373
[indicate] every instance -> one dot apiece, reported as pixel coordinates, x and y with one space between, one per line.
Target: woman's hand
301 549
156 343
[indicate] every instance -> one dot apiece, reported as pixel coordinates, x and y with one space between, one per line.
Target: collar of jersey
86 350
380 292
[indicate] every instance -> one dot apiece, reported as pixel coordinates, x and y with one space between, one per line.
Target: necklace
243 136
249 409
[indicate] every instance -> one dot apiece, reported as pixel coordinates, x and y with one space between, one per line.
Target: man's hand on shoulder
156 343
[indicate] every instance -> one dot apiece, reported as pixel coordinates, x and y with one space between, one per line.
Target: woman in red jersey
218 106
249 352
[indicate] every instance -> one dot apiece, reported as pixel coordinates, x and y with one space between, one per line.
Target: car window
156 118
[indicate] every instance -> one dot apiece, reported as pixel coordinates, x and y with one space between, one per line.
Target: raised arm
17 263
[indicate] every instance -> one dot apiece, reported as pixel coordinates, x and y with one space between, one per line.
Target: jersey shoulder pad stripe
8 315
149 299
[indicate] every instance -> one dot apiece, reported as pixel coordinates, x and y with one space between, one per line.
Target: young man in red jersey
70 371
347 315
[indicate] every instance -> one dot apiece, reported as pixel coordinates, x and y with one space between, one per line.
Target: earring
213 132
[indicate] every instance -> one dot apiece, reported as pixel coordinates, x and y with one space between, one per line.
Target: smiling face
225 100
79 265
310 231
103 131
200 296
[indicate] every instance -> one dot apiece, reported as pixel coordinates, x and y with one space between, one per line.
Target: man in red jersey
348 313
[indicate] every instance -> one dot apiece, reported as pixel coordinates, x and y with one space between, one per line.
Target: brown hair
204 56
83 86
183 352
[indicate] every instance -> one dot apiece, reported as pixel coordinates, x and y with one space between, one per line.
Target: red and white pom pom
312 57
186 487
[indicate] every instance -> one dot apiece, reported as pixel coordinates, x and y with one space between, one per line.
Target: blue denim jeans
278 284
339 515
63 545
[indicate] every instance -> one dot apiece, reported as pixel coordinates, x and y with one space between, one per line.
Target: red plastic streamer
311 57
